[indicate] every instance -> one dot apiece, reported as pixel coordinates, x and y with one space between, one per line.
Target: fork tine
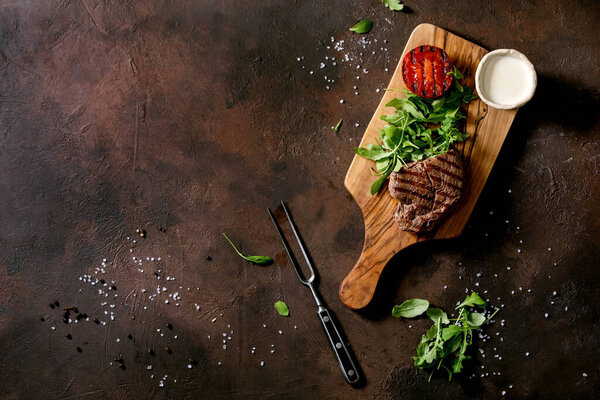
287 248
304 253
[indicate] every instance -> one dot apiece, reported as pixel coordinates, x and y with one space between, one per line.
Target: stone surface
187 119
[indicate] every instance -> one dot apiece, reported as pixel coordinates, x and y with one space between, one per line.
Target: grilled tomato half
426 71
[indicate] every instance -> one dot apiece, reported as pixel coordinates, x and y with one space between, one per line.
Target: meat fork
344 357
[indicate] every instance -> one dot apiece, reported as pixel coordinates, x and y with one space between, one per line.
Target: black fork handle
344 357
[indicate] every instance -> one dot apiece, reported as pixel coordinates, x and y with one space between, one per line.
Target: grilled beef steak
426 190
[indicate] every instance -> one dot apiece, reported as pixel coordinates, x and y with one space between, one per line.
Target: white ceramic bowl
486 67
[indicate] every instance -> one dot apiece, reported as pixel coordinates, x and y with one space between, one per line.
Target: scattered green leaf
436 313
475 320
472 300
363 26
337 126
258 260
445 344
282 308
450 331
410 308
394 5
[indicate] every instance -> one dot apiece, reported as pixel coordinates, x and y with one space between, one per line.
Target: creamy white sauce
506 80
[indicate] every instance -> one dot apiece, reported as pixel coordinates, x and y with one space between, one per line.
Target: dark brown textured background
192 117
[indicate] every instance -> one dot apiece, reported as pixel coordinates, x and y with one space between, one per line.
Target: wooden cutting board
487 128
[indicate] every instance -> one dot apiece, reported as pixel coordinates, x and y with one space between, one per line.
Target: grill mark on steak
427 190
452 185
449 162
416 174
415 194
413 183
444 171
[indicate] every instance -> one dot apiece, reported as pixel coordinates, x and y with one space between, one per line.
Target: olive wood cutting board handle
487 128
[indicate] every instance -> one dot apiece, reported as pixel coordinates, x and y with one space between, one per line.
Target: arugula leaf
457 74
472 300
429 356
457 363
438 104
436 313
459 86
258 260
391 136
451 345
375 153
382 164
282 308
475 319
394 5
421 349
363 26
410 308
392 119
451 331
378 184
468 95
337 126
430 334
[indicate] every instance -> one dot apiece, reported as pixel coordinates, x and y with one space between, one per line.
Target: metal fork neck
315 295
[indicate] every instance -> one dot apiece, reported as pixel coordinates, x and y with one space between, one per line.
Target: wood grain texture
487 128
